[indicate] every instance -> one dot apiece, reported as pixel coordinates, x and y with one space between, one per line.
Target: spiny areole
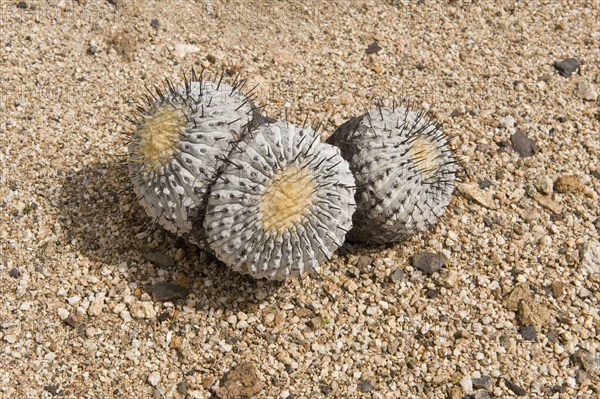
281 205
179 134
404 172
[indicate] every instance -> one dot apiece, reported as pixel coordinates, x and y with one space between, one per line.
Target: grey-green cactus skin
237 225
401 189
216 114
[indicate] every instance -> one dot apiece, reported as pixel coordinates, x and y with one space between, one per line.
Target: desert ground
86 309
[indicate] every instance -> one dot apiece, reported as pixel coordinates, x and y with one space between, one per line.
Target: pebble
373 48
567 66
586 91
484 382
63 313
182 387
182 49
14 273
481 394
506 122
467 384
473 192
531 312
154 378
428 262
523 145
588 361
365 386
166 291
240 382
159 258
544 185
143 310
155 23
397 275
22 5
516 389
485 184
124 44
11 339
569 184
548 203
589 255
528 333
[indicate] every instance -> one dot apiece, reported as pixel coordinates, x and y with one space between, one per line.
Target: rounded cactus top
173 152
404 171
282 204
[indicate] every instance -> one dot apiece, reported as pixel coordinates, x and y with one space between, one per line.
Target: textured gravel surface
98 303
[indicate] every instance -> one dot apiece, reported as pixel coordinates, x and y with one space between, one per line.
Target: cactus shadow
100 218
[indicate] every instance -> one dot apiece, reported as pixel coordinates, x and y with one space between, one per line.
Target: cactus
282 203
404 173
179 135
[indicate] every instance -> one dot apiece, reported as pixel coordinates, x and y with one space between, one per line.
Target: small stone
557 288
428 262
449 278
63 313
472 192
155 23
22 5
519 293
397 275
124 44
11 339
547 203
365 386
485 184
159 258
569 184
182 387
455 393
240 382
506 122
143 310
528 333
481 394
589 255
567 66
588 361
53 389
517 390
466 383
154 378
532 312
523 145
432 293
165 291
96 306
544 185
586 91
484 382
94 50
581 377
14 273
74 320
377 69
373 48
182 49
325 389
364 262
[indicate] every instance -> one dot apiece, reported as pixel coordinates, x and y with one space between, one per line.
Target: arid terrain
86 309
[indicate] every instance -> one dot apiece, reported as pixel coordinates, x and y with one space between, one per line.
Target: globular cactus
179 135
282 203
404 173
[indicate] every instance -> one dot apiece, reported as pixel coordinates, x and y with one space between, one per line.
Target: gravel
61 147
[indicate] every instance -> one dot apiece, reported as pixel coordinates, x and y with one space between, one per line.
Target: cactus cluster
269 198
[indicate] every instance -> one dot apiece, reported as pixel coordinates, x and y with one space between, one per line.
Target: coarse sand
98 303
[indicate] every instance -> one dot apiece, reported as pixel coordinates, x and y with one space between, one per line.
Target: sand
514 310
